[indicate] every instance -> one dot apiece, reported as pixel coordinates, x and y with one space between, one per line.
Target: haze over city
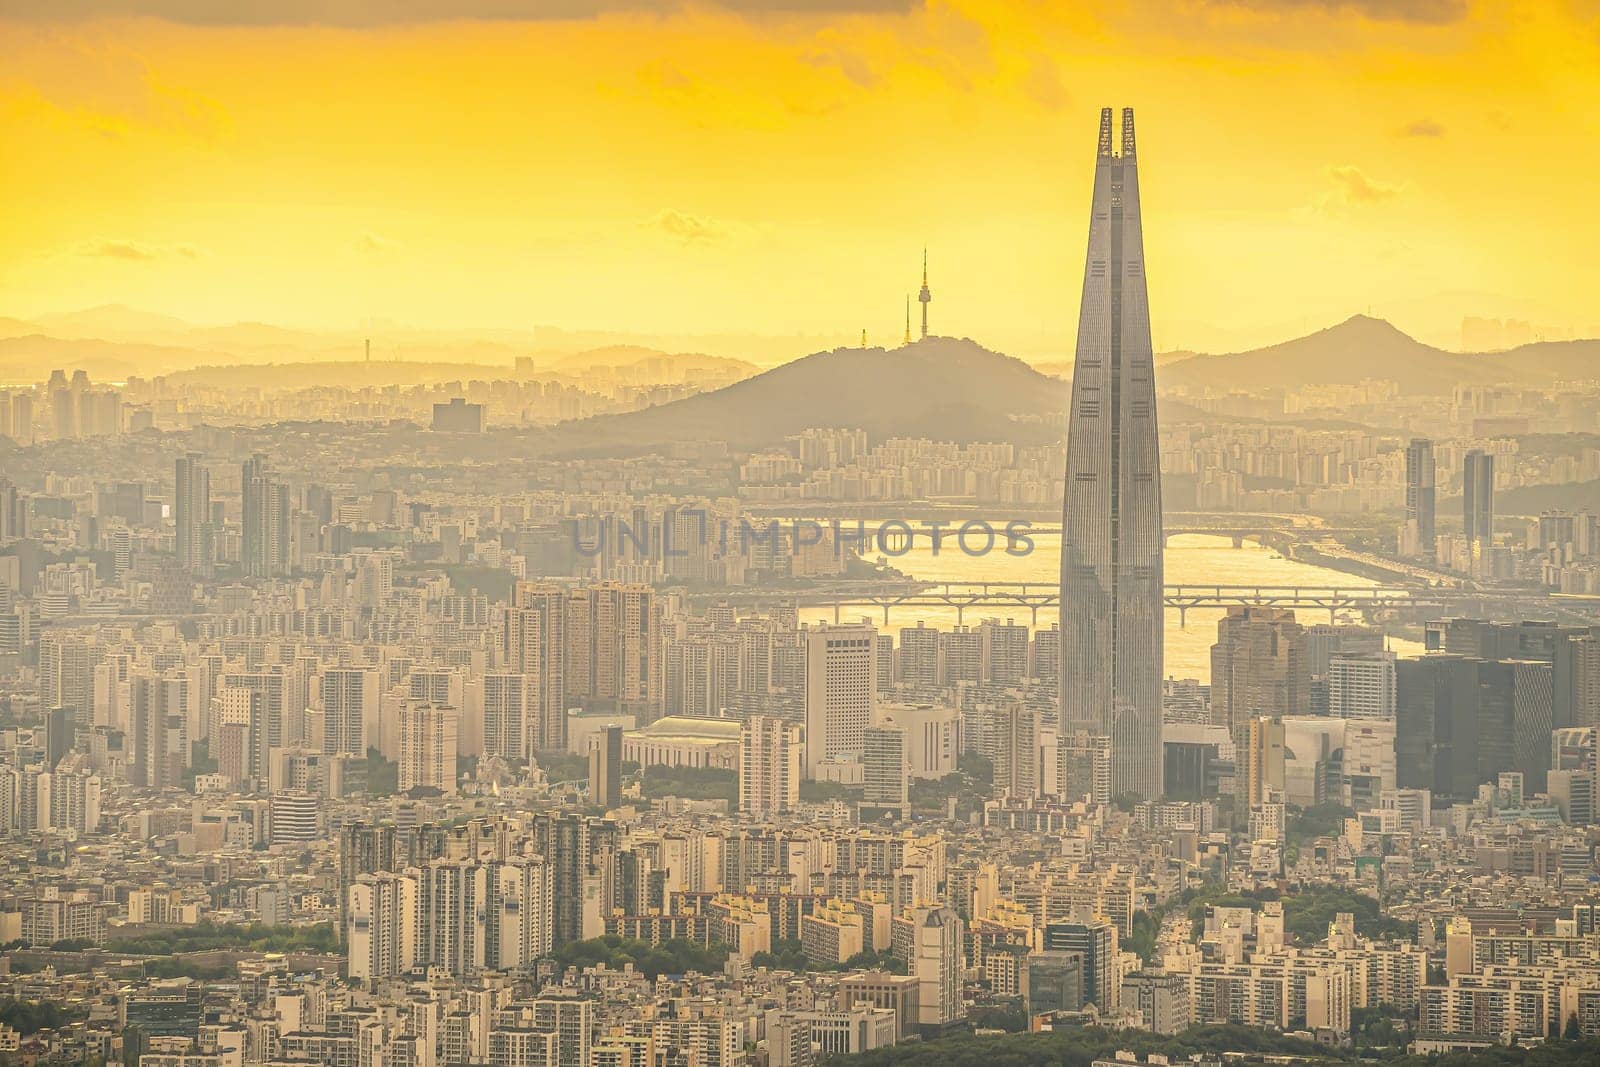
799 533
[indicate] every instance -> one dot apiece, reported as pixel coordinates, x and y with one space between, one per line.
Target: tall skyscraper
192 509
1477 501
161 738
841 691
1111 573
428 746
22 419
1013 748
613 649
1419 539
936 962
349 710
1259 666
265 534
509 715
536 645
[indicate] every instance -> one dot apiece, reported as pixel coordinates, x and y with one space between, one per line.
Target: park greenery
253 937
787 955
383 775
1306 912
971 784
1305 825
691 783
669 957
1320 820
31 1016
822 792
559 766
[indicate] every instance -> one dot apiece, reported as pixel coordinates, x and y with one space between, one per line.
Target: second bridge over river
1032 596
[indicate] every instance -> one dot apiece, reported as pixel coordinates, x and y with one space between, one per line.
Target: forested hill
1080 1048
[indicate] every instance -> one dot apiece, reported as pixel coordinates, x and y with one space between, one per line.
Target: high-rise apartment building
1083 766
536 646
160 730
381 925
885 775
613 649
264 534
67 659
771 754
1013 748
192 511
1005 652
1111 547
428 746
509 715
349 710
919 655
938 962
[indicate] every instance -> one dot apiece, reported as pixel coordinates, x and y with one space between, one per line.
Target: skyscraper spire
927 294
1111 545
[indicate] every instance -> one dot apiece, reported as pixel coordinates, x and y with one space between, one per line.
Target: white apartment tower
428 746
841 691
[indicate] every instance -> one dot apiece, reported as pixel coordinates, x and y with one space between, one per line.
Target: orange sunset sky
770 167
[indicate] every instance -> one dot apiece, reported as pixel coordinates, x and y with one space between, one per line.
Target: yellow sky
654 168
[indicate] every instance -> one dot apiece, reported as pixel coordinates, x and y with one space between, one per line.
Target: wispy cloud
1353 188
1425 12
376 244
852 64
1355 185
1422 128
1044 83
690 229
136 251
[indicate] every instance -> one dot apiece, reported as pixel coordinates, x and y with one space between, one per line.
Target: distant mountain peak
1366 348
1369 324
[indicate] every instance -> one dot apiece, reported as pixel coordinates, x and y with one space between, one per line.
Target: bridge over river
1032 596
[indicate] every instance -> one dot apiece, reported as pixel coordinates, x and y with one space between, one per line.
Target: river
1191 559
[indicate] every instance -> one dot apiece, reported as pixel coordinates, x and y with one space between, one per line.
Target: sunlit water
1193 559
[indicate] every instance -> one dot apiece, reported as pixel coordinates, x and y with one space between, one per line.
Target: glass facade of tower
1111 549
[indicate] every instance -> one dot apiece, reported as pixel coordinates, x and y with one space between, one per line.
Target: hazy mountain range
956 390
113 342
942 388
